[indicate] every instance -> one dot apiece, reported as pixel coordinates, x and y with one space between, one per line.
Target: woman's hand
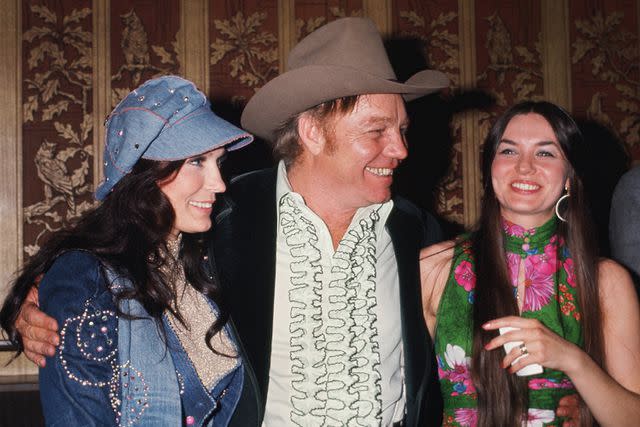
539 344
611 394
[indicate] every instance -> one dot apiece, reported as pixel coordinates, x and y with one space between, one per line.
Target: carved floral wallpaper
57 118
494 52
605 61
243 52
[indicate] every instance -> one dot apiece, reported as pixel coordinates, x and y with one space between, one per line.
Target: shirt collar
283 187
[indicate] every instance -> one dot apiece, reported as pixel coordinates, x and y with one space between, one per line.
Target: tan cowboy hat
343 58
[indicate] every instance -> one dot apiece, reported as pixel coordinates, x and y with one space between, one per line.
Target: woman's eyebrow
538 143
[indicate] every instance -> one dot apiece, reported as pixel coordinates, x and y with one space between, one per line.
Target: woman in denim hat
144 336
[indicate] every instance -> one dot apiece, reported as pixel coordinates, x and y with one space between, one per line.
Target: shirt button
190 420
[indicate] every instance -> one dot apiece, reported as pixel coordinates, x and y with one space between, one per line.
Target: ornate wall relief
251 52
145 43
310 15
57 117
606 60
244 50
510 63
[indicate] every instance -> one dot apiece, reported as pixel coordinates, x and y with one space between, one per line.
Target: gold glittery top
198 317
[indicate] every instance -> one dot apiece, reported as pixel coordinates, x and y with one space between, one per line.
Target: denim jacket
112 370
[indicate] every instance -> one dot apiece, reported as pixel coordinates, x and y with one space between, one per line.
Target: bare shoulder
435 263
621 322
618 297
436 254
614 281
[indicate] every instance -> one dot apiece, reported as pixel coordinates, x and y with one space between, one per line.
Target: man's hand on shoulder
38 331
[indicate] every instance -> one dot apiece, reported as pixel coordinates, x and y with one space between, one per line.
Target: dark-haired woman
531 265
144 338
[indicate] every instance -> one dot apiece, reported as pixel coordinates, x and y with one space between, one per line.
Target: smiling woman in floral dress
531 265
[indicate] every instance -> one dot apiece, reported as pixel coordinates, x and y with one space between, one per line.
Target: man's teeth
523 186
380 171
203 205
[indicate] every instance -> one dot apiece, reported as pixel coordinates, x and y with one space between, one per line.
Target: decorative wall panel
435 25
57 116
311 14
243 55
509 51
605 57
145 43
244 48
605 79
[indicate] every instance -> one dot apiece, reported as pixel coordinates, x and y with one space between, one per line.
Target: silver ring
523 349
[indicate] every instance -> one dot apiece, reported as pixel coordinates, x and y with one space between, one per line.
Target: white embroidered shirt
305 386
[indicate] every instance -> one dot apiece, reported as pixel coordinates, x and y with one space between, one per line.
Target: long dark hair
128 232
494 293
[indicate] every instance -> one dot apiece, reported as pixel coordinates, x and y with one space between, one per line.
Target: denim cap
167 118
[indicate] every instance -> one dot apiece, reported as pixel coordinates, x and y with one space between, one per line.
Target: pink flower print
549 259
512 229
544 383
465 276
539 417
458 372
467 417
538 282
513 263
571 277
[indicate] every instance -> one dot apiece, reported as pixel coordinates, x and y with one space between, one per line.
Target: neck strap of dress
525 242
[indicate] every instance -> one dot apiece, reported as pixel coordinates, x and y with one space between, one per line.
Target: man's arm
38 331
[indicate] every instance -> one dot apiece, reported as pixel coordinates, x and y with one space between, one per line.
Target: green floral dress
550 296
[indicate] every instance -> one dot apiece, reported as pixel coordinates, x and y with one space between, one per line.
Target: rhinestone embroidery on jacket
96 343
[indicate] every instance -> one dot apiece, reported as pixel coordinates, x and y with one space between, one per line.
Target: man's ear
312 136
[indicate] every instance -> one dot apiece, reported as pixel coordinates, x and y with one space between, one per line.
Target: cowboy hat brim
302 88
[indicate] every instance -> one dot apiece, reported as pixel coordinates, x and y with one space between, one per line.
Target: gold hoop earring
566 196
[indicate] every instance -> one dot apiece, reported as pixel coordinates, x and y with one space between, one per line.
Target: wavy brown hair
493 292
128 232
286 146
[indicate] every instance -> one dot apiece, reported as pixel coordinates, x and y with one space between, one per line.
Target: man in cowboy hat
321 262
